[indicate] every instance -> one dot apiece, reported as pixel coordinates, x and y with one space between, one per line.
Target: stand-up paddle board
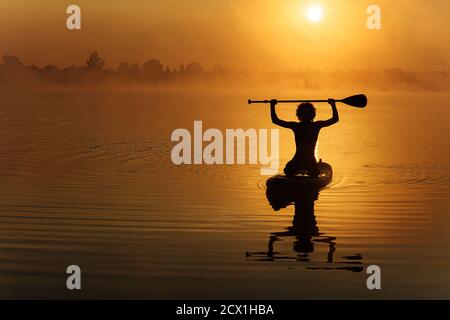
303 181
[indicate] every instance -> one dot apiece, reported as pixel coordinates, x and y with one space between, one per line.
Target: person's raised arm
334 119
275 119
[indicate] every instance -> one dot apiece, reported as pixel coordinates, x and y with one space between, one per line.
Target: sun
314 13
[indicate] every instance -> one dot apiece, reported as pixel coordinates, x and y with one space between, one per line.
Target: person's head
306 111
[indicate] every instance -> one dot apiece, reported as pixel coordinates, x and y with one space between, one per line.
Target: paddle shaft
288 101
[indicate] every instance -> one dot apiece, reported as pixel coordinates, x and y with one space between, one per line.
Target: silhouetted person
306 133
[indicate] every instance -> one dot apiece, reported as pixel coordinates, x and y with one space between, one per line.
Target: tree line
94 72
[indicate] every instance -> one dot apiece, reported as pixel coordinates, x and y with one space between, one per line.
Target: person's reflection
304 226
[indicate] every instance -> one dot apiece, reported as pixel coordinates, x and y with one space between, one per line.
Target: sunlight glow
314 13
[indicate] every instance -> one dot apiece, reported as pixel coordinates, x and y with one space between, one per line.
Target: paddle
357 101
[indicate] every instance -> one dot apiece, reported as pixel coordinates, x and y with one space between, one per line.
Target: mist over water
87 179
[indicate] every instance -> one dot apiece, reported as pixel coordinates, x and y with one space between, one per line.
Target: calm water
86 178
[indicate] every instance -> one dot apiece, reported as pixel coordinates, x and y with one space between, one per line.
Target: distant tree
153 70
95 62
73 75
33 68
135 71
11 60
50 73
109 74
50 68
167 72
123 69
219 70
194 69
182 69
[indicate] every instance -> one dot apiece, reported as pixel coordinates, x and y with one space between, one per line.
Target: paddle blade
358 101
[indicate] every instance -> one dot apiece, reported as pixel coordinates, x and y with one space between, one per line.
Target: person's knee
314 171
289 170
313 174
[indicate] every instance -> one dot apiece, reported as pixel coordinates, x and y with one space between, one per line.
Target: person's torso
306 134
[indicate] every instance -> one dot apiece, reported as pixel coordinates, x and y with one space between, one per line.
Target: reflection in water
305 232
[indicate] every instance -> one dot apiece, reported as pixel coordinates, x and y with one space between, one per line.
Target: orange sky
263 34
